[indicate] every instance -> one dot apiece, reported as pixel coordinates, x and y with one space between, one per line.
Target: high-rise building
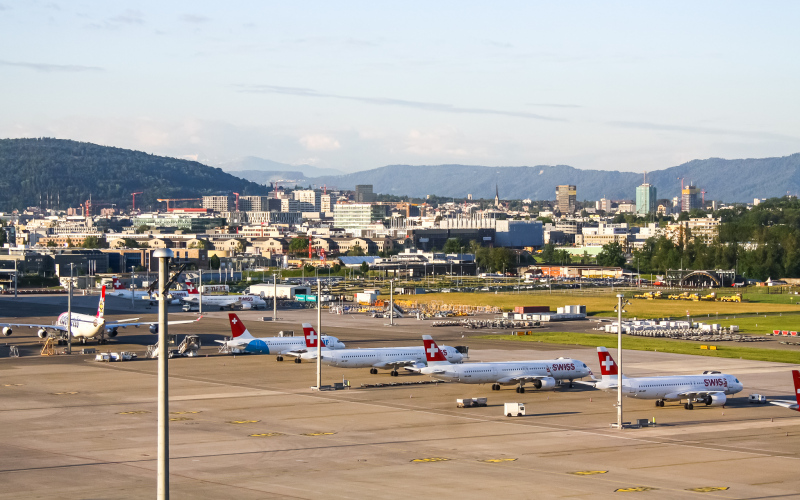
310 200
565 198
690 199
357 215
326 203
219 203
645 199
254 204
290 205
364 193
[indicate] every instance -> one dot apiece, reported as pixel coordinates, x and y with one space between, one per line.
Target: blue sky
355 85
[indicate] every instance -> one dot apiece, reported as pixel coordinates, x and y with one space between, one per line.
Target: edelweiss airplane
86 327
119 290
222 301
378 358
792 405
711 388
542 374
243 341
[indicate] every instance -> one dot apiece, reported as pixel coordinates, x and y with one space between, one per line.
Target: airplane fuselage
83 325
669 387
277 345
383 357
506 372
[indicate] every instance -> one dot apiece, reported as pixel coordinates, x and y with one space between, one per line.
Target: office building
645 199
357 215
690 199
364 193
565 198
310 200
289 205
219 203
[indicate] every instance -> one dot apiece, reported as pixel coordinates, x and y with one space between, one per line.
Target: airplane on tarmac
119 290
542 374
376 358
85 326
792 405
242 341
244 301
711 387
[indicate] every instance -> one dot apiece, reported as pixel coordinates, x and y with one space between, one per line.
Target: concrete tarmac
250 427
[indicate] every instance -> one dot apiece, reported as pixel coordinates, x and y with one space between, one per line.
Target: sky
631 86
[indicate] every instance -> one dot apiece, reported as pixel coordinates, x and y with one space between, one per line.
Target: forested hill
33 171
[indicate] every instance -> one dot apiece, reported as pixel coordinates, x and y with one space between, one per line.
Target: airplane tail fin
433 355
796 376
310 335
191 289
101 307
607 364
238 330
115 283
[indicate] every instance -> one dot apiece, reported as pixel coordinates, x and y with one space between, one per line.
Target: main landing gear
393 373
660 402
373 371
278 358
520 390
688 406
298 360
495 387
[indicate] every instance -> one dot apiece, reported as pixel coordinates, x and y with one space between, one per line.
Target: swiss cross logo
234 321
432 350
312 336
608 363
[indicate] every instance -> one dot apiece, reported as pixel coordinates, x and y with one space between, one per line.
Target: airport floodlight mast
620 305
162 489
319 334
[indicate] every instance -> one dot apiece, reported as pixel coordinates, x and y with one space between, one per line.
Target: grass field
652 344
603 305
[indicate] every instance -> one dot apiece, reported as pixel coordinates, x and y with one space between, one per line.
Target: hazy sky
355 85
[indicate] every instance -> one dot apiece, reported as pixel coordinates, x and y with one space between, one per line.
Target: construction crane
703 191
237 201
134 200
90 205
177 199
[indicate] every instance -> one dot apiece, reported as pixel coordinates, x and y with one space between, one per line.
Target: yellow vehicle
649 295
731 298
711 296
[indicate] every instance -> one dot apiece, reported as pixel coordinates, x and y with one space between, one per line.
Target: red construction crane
134 200
178 199
704 196
237 201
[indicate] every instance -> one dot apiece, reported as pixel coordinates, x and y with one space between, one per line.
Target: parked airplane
85 326
711 387
377 358
243 341
222 301
792 405
542 374
119 290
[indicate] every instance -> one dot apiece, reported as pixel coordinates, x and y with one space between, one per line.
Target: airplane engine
717 399
111 332
176 302
42 333
7 331
153 328
246 306
547 383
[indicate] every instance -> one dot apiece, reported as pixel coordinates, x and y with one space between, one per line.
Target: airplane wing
786 404
524 378
123 324
46 327
298 353
415 368
395 364
691 394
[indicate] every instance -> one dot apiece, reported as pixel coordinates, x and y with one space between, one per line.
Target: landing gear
520 390
688 406
570 384
298 360
495 387
373 371
394 373
83 340
660 402
279 358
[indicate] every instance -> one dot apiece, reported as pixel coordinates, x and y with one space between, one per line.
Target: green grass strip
655 344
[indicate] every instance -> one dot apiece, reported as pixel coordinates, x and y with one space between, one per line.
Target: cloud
701 130
51 68
385 101
319 142
553 105
194 19
128 17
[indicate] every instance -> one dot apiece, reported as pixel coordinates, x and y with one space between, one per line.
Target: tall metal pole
162 491
619 360
274 297
391 302
15 277
319 334
200 289
69 311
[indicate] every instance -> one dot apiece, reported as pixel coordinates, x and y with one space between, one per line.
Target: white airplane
542 374
711 387
85 327
242 342
244 301
119 290
378 358
792 405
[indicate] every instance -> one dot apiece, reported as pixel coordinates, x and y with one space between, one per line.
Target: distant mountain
285 177
254 163
40 172
727 180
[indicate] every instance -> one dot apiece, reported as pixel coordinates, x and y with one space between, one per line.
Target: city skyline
626 86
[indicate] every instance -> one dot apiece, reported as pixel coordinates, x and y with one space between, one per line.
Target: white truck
514 409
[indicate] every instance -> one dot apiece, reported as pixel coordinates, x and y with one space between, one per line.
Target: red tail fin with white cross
238 330
311 336
433 355
191 289
796 376
101 307
116 284
607 364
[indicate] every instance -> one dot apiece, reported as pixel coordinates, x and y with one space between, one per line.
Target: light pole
619 360
162 490
15 277
69 311
274 297
391 302
319 335
200 290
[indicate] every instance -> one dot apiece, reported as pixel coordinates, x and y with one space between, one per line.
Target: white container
514 409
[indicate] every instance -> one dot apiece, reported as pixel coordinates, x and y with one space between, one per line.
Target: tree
364 267
453 245
130 243
51 244
611 255
336 268
241 245
548 252
201 244
298 245
356 251
141 229
92 242
213 262
69 242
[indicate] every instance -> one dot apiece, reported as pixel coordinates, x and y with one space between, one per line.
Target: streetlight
619 358
162 490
